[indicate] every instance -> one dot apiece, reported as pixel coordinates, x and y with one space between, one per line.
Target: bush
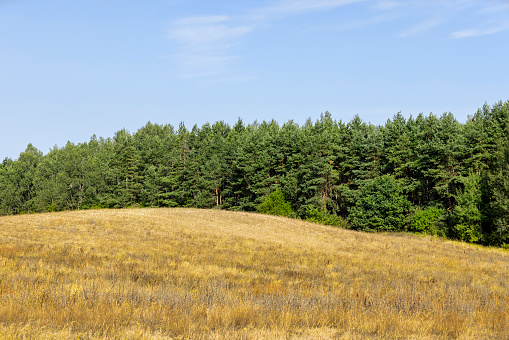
275 204
427 221
52 207
468 233
324 217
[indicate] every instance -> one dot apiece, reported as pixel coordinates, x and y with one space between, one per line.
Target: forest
426 174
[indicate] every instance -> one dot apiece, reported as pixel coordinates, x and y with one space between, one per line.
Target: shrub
468 233
51 207
324 217
427 221
275 204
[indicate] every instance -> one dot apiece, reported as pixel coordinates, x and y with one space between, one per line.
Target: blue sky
73 68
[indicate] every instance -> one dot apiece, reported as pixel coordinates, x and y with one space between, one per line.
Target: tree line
427 174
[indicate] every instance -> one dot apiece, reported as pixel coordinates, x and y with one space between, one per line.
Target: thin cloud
201 20
206 30
308 5
474 32
422 27
205 44
446 14
358 24
459 5
387 5
490 17
292 7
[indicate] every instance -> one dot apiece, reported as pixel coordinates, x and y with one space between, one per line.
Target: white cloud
292 7
484 16
201 20
422 27
387 5
357 23
475 32
200 35
205 44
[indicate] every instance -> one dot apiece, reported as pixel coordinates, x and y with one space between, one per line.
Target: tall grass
199 274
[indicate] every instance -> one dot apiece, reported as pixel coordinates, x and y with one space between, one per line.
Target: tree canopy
427 173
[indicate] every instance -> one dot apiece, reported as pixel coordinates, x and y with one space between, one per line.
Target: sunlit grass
208 274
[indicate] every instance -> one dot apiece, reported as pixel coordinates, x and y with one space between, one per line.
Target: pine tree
129 180
362 160
50 189
289 157
318 173
496 198
379 206
399 156
466 215
23 180
8 195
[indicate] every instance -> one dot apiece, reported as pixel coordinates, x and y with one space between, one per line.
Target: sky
71 69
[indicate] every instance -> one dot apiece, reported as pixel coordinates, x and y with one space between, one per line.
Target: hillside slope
188 273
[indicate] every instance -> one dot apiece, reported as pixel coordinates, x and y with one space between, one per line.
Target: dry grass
209 274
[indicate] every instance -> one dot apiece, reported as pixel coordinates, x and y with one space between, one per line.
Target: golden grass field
211 274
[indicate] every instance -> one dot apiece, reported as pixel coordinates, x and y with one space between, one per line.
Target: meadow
211 274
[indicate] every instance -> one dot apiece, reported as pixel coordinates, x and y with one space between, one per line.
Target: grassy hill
210 274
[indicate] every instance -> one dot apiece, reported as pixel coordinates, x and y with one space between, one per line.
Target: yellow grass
210 274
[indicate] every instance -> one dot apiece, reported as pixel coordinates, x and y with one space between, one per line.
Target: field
211 274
